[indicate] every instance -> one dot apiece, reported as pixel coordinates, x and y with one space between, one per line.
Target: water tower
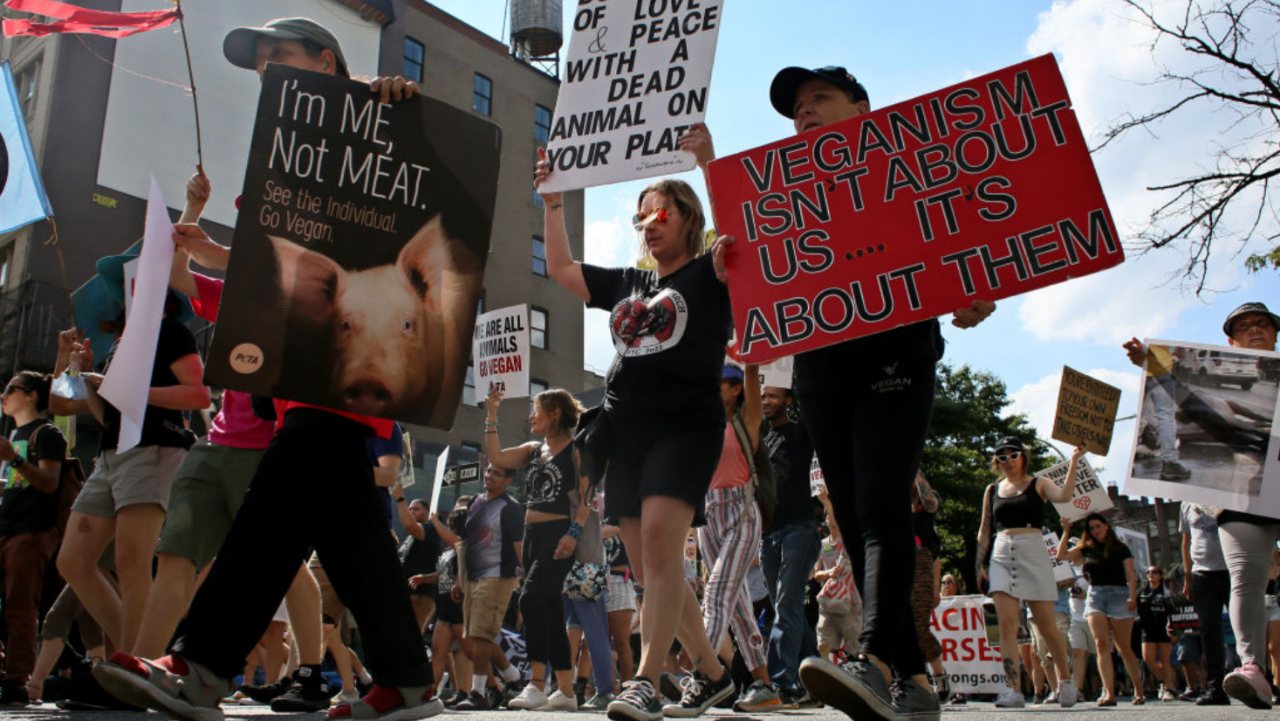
537 33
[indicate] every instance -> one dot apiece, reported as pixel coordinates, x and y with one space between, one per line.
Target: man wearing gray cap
314 488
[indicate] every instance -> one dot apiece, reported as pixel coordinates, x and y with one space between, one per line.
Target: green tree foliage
968 420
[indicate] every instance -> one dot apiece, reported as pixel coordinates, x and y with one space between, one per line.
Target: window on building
469 385
414 58
6 256
537 327
27 84
538 202
482 95
539 256
536 386
469 447
541 124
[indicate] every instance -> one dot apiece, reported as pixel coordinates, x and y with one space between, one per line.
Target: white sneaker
1166 695
530 698
344 697
1068 694
1011 699
559 702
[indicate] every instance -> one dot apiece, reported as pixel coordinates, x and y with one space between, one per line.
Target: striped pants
728 549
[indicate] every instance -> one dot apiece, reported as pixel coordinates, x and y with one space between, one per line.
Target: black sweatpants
1210 592
545 637
313 489
868 425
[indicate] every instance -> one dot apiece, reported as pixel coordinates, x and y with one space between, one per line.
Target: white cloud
1039 401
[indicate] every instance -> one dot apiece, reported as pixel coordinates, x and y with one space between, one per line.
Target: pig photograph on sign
358 256
1208 412
1086 411
979 191
635 80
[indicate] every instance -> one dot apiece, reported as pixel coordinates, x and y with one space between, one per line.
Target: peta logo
892 383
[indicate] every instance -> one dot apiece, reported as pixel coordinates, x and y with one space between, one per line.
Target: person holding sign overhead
1020 568
665 417
868 403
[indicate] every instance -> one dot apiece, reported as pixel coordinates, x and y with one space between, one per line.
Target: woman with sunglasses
1154 607
1112 603
1020 569
665 417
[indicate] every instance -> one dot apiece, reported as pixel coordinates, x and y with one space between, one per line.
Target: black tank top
548 483
1025 510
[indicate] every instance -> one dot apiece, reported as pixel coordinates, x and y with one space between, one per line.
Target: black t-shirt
791 455
670 334
418 557
27 509
1109 570
615 553
547 483
926 533
160 426
819 369
1154 607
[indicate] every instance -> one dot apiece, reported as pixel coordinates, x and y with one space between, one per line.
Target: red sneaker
181 689
389 703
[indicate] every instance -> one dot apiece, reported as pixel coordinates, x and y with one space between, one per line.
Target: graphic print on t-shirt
643 326
545 484
9 473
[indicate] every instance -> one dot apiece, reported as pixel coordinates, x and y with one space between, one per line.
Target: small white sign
1062 570
500 351
438 481
1091 496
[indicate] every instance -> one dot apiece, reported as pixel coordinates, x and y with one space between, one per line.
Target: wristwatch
16 463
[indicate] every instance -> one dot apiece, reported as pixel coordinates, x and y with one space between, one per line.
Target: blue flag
22 196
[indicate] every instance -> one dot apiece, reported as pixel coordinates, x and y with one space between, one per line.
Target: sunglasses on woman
1006 457
640 222
14 387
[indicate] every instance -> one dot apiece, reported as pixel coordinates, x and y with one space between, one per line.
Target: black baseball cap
1249 308
241 44
782 93
1011 442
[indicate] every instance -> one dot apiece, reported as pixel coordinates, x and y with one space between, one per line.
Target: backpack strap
744 442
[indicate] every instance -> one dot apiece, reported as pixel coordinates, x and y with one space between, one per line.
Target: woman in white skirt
1021 570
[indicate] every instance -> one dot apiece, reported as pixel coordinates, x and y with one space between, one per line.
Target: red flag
73 19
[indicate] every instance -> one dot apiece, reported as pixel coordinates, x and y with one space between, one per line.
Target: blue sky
904 49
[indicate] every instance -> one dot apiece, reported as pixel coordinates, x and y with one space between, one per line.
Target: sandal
1107 701
1139 699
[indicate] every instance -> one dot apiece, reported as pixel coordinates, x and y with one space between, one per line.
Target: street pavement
1152 711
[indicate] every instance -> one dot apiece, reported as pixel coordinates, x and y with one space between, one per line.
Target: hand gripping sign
983 190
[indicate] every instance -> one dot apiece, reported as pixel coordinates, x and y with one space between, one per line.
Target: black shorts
1156 635
658 458
447 611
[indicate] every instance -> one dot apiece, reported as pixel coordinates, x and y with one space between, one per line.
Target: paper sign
358 257
128 380
22 196
1205 431
1086 411
130 269
1090 497
1061 569
438 479
406 476
971 657
636 78
778 373
983 190
1138 546
816 481
500 351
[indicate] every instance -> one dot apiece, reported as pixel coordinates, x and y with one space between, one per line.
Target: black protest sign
636 78
359 253
1086 411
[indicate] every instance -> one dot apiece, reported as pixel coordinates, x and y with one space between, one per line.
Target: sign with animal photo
1062 570
980 191
359 253
1090 497
1205 430
1086 411
500 351
636 78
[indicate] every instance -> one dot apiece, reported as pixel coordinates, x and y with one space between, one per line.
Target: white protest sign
130 278
816 480
500 350
406 476
1137 543
1062 570
1091 496
128 380
636 78
438 481
971 657
777 373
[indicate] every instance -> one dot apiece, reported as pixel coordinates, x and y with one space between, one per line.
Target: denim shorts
1110 601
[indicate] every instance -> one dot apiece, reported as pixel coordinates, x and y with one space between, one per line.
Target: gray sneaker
914 702
759 696
857 688
599 702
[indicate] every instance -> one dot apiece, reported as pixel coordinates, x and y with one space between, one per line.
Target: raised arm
752 410
411 525
1064 493
928 496
513 457
560 263
1065 553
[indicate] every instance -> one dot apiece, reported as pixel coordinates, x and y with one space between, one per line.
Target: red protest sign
982 190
